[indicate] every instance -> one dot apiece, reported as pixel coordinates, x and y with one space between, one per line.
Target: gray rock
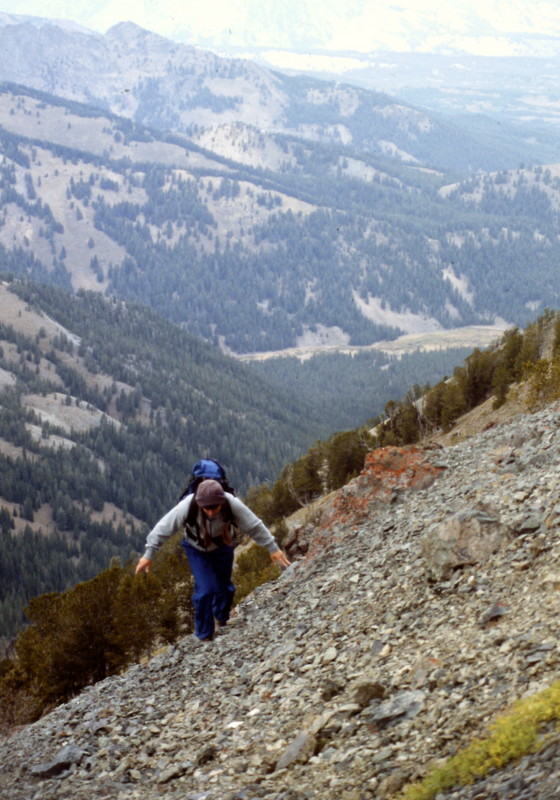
207 754
493 613
299 751
63 760
263 715
529 524
173 772
403 705
390 785
466 538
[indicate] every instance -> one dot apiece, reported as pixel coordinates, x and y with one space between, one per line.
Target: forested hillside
317 241
521 370
103 410
347 390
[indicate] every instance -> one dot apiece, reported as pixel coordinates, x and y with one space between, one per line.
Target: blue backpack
207 469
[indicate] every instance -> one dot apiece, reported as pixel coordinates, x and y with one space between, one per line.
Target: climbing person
208 517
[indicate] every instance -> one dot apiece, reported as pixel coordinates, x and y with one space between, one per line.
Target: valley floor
471 336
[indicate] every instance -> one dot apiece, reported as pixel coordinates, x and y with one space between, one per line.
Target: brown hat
209 493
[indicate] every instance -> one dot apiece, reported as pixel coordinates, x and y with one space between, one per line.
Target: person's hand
143 565
279 558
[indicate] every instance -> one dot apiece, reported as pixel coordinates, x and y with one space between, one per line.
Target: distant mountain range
261 211
263 241
171 87
452 27
492 59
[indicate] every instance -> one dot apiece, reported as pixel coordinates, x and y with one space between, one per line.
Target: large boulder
469 537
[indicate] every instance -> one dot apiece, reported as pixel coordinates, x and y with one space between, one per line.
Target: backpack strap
191 521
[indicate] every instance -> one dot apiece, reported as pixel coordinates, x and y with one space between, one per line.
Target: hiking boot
198 642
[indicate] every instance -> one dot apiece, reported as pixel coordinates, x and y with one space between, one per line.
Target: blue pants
213 589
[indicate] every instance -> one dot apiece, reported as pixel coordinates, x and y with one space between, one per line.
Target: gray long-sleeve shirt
243 518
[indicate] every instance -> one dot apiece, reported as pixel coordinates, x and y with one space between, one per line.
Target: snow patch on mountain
391 149
460 283
380 312
322 336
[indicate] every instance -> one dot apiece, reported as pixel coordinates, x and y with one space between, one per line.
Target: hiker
209 545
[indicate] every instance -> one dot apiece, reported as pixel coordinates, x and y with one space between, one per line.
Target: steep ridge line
359 666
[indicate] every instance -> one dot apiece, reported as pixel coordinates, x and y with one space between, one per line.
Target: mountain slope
481 66
362 664
174 87
103 410
295 243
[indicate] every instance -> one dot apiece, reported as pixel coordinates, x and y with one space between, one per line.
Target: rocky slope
424 604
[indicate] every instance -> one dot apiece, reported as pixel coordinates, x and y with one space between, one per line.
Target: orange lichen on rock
387 471
390 469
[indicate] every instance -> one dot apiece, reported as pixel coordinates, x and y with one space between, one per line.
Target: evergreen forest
253 258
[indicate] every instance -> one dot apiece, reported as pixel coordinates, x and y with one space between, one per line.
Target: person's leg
205 588
223 599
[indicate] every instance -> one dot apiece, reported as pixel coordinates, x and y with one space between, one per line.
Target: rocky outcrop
464 539
388 472
364 662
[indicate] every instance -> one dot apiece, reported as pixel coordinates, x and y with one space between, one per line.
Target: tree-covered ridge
346 390
154 400
255 255
136 346
531 356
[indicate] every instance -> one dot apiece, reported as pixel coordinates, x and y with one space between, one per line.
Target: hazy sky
487 26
